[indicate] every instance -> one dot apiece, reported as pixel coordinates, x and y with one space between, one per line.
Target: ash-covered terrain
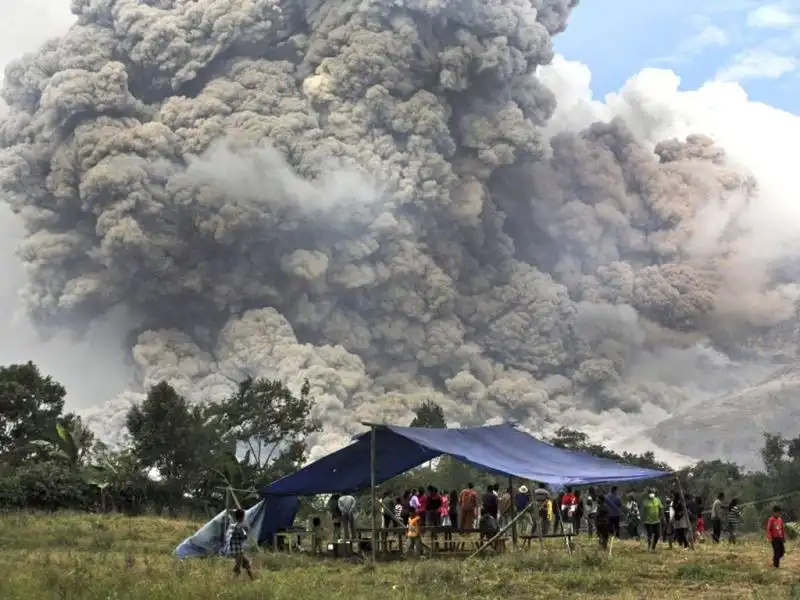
372 194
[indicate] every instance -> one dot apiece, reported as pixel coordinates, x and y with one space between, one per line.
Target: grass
74 557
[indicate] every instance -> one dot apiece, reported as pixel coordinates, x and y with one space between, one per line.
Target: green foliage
429 415
272 423
30 405
51 460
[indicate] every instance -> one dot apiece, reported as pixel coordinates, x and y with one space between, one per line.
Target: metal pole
685 508
513 512
372 475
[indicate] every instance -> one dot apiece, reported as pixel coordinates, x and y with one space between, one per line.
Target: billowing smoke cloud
382 197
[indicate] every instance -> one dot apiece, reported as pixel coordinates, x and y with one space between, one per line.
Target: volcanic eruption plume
366 193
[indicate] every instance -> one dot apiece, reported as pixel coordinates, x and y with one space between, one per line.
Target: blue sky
754 43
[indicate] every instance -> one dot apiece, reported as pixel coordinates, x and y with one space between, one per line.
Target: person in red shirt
775 536
468 506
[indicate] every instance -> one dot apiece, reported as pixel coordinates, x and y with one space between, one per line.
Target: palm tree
74 441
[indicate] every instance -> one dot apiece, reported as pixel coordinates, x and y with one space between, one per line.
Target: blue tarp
501 449
264 520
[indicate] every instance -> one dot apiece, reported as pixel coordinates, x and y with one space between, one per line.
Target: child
238 537
775 536
734 518
701 529
398 509
414 526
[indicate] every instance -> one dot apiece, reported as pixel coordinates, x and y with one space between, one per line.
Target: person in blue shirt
614 511
522 500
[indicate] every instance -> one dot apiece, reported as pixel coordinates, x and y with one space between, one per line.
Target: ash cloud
381 197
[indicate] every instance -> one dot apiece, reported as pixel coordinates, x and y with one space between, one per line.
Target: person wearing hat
522 500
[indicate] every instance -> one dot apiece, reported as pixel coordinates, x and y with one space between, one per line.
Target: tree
74 441
30 405
168 434
773 452
429 415
271 422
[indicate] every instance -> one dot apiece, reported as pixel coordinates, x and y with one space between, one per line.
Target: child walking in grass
775 536
238 537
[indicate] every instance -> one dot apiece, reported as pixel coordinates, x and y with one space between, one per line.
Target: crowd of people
676 519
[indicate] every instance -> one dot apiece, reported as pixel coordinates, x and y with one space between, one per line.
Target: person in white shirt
347 506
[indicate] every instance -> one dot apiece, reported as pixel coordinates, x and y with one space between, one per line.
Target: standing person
734 518
414 502
603 522
453 509
405 500
775 536
413 533
490 504
577 516
522 500
652 515
347 508
700 534
238 538
444 511
614 510
669 521
632 510
716 518
336 516
567 508
543 506
467 507
400 513
387 506
693 510
681 520
506 508
591 510
433 507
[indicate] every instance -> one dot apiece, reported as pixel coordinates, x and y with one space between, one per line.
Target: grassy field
115 558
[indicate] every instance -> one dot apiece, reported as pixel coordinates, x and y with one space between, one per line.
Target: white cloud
757 64
771 16
710 36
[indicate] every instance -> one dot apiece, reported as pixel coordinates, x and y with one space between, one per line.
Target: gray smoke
365 193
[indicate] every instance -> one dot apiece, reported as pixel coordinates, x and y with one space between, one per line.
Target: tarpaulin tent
502 449
387 451
263 520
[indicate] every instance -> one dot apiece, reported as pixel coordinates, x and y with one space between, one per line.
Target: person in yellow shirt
414 533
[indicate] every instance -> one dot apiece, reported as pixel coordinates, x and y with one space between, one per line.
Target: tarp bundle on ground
263 520
501 449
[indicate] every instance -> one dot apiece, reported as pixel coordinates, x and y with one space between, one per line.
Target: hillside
732 427
99 558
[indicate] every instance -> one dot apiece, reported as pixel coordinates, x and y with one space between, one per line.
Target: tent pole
685 508
513 512
497 535
372 476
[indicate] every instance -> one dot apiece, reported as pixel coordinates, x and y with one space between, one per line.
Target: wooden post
373 475
685 509
513 512
497 536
